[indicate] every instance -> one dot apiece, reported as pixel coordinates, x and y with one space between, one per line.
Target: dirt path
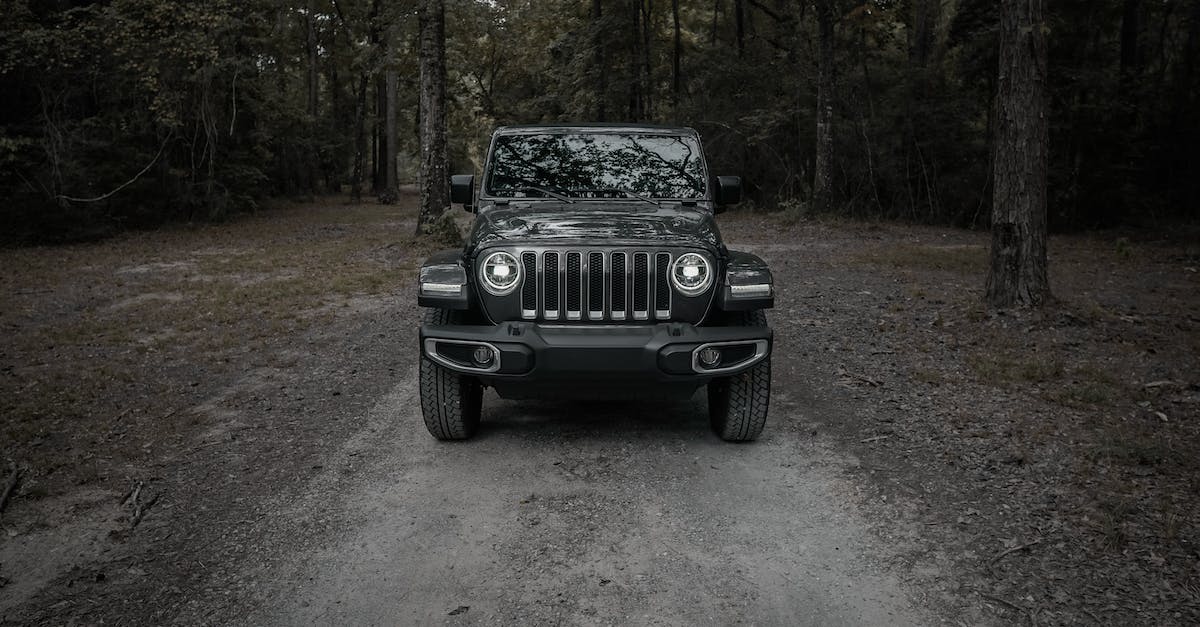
925 461
574 514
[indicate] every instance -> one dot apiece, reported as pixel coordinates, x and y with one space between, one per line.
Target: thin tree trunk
925 17
823 168
435 192
313 84
739 19
635 79
310 31
1018 258
676 59
601 64
647 7
378 51
379 180
712 35
391 190
1131 66
360 138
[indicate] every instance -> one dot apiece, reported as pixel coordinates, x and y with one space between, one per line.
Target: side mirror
729 190
462 191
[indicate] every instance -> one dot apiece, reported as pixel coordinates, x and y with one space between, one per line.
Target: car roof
594 127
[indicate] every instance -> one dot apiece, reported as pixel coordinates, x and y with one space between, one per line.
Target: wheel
737 405
450 402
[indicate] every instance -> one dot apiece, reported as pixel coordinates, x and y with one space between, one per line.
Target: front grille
596 285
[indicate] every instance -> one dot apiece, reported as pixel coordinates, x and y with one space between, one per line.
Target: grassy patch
960 259
1010 368
1089 386
138 324
927 376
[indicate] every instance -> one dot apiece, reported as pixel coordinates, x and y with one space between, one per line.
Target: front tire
450 402
737 405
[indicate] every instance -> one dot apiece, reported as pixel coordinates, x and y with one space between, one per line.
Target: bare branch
127 183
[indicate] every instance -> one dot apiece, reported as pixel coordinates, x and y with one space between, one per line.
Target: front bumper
658 353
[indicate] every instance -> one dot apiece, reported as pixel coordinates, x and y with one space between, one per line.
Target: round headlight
691 274
500 273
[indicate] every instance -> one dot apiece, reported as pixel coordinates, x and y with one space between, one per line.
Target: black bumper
659 353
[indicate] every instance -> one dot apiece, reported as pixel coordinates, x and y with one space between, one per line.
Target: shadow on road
593 420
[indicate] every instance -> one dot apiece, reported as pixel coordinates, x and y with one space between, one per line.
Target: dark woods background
133 112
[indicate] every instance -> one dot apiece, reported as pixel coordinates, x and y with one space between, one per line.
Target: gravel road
586 514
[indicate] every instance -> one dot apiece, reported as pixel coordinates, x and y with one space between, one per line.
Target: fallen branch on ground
842 372
140 510
1001 555
133 498
10 486
131 495
1030 614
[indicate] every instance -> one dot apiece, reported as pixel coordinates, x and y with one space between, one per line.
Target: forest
125 114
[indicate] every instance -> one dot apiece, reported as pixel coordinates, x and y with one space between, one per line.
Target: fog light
483 356
710 357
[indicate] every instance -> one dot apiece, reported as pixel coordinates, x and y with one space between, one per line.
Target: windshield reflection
596 165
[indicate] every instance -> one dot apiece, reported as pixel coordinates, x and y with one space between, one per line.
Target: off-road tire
450 402
737 405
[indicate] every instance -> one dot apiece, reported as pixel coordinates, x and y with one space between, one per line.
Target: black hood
615 224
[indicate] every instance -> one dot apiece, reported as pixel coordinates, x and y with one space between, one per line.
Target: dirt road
588 514
925 461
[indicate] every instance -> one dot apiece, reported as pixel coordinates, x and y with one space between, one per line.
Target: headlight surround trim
688 260
488 278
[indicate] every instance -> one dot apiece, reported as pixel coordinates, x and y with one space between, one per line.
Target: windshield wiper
542 190
620 190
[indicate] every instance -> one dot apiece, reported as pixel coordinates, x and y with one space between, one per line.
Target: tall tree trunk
823 168
676 59
1131 66
435 192
1018 258
739 20
391 190
926 15
647 7
360 138
310 32
712 35
312 85
378 51
601 63
635 71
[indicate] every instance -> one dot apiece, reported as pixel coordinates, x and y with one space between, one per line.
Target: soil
218 424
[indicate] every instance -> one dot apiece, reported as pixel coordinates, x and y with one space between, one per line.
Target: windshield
596 165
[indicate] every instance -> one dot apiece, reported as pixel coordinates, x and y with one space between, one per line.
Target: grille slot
662 288
596 285
529 289
574 286
619 286
595 282
550 279
641 286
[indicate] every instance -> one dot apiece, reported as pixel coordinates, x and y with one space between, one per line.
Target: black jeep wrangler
595 270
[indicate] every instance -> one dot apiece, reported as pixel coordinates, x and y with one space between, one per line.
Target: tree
1018 258
435 194
823 168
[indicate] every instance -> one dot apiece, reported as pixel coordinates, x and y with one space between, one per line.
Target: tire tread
450 402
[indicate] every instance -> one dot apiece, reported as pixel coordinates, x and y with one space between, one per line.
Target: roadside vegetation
108 345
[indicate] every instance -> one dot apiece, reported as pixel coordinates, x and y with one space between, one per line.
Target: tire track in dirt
593 514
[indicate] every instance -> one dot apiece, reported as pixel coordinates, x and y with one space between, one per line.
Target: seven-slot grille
596 285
